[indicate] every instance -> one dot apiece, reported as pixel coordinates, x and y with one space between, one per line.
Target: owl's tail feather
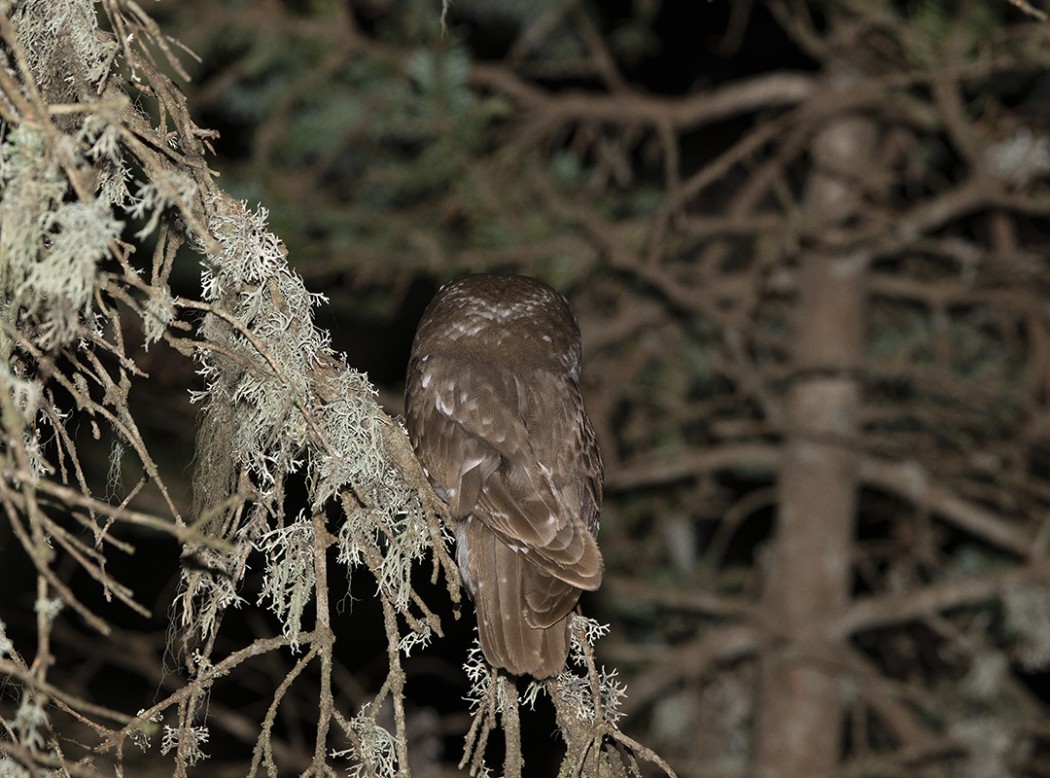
508 639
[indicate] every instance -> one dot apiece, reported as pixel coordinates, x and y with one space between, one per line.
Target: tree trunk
799 716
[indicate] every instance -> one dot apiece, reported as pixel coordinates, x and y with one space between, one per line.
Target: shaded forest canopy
807 245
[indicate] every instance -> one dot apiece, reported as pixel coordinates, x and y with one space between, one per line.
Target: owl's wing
510 455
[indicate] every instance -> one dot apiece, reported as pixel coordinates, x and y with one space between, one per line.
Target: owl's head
501 319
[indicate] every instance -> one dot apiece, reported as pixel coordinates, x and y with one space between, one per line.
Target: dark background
806 242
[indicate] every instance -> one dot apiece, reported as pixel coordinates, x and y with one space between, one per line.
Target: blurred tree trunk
799 713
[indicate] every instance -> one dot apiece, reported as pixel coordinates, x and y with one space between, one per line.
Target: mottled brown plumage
493 406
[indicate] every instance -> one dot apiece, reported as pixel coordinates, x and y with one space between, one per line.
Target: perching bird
494 411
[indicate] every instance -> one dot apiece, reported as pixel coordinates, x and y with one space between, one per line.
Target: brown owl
493 406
